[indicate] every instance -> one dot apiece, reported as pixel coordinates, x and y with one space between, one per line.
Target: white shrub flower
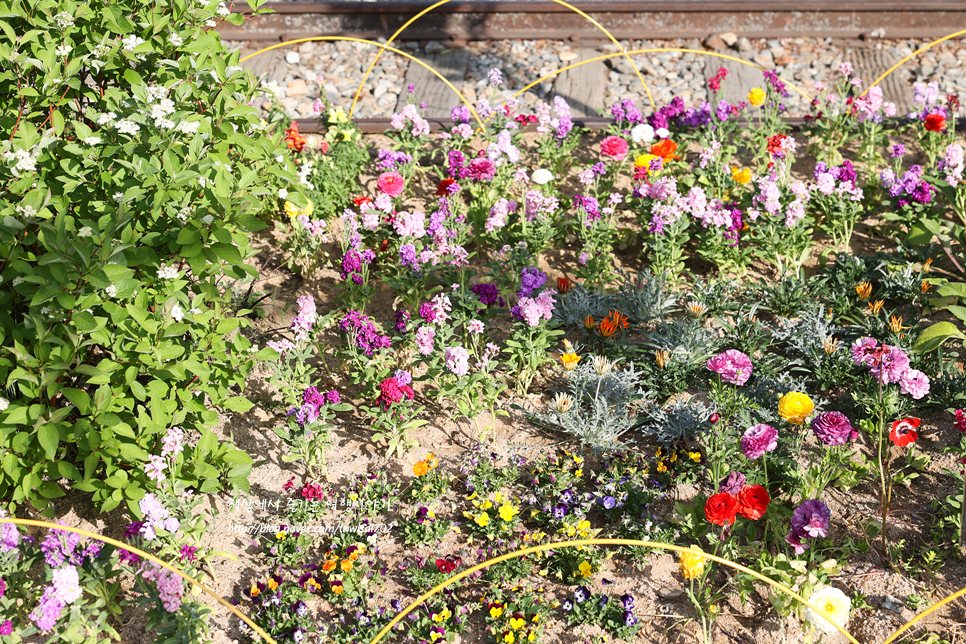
93 140
125 126
106 119
118 196
223 10
63 50
188 127
282 193
176 40
177 313
85 232
111 291
64 20
168 273
131 42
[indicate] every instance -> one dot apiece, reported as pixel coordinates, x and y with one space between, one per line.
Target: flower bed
740 340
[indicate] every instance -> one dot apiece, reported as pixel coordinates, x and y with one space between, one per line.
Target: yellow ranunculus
691 563
757 97
795 407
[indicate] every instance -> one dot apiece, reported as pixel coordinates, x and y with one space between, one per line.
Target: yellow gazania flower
863 290
757 97
795 407
483 520
741 176
569 361
507 512
875 307
586 570
895 324
691 563
662 357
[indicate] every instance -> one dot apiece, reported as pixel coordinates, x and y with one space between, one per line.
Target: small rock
669 594
305 109
433 46
764 59
891 603
729 38
567 56
310 76
293 58
296 87
715 41
784 60
743 44
380 90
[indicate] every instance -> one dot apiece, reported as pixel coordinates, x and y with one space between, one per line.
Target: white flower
541 176
188 127
223 10
26 211
63 50
17 280
642 133
662 132
101 50
4 403
184 213
202 181
834 604
282 193
195 311
111 291
210 23
131 42
176 40
106 119
601 365
168 273
85 232
64 20
93 140
125 126
177 313
118 196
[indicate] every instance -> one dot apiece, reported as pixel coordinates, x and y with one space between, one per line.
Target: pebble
336 69
669 594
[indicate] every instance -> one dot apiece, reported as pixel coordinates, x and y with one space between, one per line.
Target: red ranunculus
721 509
904 431
614 146
442 188
753 501
935 122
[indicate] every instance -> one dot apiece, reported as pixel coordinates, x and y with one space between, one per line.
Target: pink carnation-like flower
833 428
733 366
758 440
615 147
67 584
893 365
915 383
863 351
391 183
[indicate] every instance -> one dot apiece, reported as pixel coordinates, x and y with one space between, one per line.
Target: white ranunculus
541 176
834 604
642 133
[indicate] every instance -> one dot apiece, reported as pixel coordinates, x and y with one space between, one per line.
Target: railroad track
450 26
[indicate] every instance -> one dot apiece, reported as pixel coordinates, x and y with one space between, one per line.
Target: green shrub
131 173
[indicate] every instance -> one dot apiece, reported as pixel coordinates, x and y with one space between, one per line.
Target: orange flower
589 322
619 319
328 566
665 149
272 584
337 587
875 307
311 585
607 327
420 468
564 284
346 566
925 286
569 361
864 290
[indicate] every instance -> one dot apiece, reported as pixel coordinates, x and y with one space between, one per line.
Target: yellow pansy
496 611
483 520
516 623
586 570
507 512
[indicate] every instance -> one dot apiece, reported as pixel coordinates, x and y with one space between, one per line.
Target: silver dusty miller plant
600 405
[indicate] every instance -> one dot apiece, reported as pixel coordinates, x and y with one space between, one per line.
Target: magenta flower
811 519
915 383
481 169
391 183
6 628
833 428
863 351
733 366
795 541
893 364
733 483
758 440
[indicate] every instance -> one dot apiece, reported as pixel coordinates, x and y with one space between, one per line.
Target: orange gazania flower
619 319
589 322
925 286
563 284
665 149
569 361
864 290
607 327
875 307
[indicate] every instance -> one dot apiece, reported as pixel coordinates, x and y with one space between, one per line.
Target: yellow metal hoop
650 51
921 615
912 55
382 47
604 542
98 537
422 13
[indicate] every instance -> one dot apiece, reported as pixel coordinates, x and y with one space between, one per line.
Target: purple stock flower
531 278
361 332
487 294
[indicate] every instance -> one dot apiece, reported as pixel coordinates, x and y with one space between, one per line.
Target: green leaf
49 437
932 337
238 404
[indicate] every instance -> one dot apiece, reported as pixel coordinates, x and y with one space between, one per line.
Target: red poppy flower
721 509
935 122
753 501
904 431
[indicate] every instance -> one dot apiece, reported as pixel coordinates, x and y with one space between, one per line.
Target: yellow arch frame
574 9
382 47
98 537
910 56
